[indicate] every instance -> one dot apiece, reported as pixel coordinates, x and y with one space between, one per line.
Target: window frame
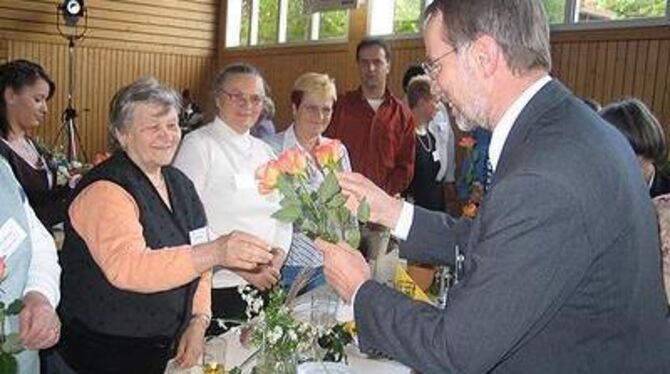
282 29
570 15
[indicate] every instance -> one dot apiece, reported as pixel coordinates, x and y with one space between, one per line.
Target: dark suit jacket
562 267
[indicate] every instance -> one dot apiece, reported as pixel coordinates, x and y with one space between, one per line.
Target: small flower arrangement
64 169
274 330
476 190
321 213
10 344
335 340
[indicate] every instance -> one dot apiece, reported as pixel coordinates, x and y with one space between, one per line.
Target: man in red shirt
376 128
378 131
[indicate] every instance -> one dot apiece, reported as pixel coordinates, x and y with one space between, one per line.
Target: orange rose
328 154
292 162
2 267
267 176
470 210
467 142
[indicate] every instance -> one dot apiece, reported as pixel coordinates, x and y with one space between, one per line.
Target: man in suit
562 271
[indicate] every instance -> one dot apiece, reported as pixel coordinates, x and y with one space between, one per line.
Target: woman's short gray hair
146 90
238 68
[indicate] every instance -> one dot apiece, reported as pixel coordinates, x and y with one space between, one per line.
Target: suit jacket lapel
549 96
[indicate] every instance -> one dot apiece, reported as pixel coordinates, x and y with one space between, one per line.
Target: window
395 17
605 12
267 22
402 17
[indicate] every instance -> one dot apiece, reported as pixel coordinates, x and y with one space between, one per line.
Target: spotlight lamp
72 11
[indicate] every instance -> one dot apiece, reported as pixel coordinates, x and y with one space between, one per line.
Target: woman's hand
192 344
242 251
39 326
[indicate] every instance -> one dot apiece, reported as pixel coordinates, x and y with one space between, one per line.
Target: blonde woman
312 99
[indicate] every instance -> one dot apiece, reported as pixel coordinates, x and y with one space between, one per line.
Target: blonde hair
320 84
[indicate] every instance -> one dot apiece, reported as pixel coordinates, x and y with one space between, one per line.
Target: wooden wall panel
100 72
607 65
173 40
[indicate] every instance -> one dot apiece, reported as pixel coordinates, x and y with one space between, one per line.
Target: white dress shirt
222 164
498 138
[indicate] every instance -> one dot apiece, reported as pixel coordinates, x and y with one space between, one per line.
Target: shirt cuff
51 295
404 224
353 297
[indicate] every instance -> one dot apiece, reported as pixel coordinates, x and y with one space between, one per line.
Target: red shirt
381 143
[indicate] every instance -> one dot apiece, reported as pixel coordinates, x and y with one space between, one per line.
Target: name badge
11 236
245 181
199 236
436 156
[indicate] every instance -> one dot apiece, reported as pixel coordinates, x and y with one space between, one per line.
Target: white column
233 23
316 24
380 17
283 19
253 25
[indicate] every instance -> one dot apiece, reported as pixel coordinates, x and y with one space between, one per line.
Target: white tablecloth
236 354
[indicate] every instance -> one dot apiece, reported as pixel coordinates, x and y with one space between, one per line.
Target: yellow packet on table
405 284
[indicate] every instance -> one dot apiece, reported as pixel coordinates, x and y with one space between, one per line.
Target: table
236 354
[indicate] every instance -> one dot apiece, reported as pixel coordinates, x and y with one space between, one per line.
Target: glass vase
272 363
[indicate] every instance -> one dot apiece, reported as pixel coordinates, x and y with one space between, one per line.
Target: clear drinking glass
214 355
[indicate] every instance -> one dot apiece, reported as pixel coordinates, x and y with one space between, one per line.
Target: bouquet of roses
316 213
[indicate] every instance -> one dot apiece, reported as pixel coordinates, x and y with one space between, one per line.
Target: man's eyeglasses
240 99
433 67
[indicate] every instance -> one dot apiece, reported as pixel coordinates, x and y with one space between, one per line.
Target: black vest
90 299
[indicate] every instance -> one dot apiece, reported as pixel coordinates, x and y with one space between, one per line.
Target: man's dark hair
376 42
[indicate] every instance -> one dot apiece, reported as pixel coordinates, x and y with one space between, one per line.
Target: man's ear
487 54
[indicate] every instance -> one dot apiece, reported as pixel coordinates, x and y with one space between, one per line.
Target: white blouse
222 165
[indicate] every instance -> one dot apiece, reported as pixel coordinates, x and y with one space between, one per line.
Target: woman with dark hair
25 89
646 136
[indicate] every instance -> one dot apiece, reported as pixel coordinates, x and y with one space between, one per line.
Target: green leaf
328 188
309 227
285 186
337 201
287 214
15 307
363 213
353 237
290 201
12 343
8 363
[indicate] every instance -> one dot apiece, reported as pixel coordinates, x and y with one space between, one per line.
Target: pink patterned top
662 204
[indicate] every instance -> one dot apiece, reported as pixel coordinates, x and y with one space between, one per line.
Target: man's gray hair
519 27
234 69
146 90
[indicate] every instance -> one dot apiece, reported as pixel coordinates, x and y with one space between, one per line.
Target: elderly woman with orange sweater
137 258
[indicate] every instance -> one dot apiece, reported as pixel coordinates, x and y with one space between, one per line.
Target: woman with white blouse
221 159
